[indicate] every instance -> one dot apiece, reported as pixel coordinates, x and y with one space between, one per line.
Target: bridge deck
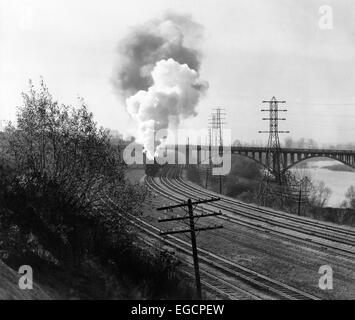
294 150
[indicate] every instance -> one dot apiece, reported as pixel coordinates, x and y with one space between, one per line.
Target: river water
337 181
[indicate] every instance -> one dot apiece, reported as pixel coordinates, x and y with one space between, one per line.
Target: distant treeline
302 143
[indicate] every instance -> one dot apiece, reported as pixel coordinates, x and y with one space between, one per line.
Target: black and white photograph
176 154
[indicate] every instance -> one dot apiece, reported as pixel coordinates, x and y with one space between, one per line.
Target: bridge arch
291 163
317 156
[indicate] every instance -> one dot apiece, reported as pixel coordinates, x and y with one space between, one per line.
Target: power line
336 128
322 103
324 115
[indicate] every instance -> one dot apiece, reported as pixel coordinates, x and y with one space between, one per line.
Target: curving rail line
212 282
273 288
341 240
346 232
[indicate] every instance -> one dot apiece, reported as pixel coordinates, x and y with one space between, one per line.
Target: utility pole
299 201
206 176
209 153
302 198
194 248
188 207
294 191
220 184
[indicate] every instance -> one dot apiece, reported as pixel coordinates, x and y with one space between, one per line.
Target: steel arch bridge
292 156
289 157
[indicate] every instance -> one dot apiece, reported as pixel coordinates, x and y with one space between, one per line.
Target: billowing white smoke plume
173 96
158 75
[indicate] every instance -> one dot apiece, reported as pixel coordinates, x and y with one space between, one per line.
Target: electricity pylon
216 123
275 166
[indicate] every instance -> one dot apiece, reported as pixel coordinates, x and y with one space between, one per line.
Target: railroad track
267 286
346 232
328 237
211 281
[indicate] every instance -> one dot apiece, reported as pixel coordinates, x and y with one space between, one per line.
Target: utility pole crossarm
282 110
274 131
192 230
206 201
164 233
274 101
177 218
185 204
274 118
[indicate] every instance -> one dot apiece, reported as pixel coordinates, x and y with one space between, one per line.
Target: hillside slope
9 289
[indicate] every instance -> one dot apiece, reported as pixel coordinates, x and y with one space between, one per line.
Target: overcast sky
253 50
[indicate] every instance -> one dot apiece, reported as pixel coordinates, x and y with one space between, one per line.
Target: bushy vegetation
349 201
243 180
193 173
63 200
152 169
244 183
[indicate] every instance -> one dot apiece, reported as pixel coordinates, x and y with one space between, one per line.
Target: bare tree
320 194
350 197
